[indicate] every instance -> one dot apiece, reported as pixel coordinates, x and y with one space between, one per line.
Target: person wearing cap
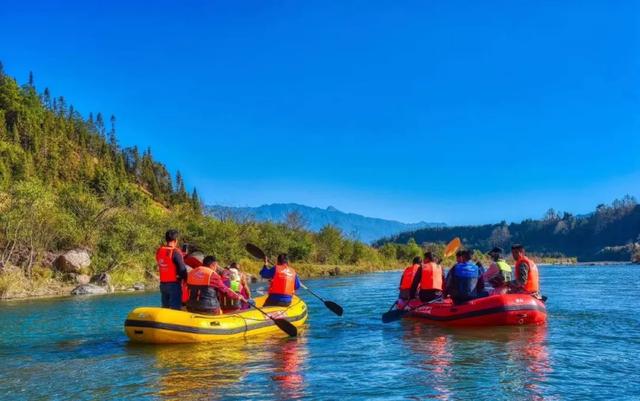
429 278
464 280
498 273
526 279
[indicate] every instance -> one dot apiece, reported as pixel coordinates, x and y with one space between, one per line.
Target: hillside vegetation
66 183
611 232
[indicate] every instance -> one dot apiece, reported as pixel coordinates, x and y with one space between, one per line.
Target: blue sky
463 112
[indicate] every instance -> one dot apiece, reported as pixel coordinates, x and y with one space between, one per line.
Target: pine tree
46 98
180 189
100 124
31 81
113 141
195 201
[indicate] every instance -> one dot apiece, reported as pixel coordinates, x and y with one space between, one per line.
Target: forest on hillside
66 183
611 232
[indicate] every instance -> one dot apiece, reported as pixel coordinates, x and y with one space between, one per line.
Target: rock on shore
89 289
74 261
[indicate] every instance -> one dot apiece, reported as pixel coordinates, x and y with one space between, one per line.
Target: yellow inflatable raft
166 326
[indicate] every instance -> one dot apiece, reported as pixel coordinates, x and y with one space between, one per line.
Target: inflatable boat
495 310
166 326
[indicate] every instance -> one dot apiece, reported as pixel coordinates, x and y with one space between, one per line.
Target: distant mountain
366 229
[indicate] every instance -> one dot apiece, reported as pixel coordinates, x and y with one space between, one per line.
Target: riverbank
14 285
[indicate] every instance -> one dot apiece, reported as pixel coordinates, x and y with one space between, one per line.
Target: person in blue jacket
464 280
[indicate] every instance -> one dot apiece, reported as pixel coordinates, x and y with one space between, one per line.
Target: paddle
332 306
451 247
258 253
397 314
282 324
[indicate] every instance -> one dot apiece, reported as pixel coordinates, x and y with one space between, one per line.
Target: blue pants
171 295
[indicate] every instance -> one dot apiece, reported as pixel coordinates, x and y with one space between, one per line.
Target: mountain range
366 229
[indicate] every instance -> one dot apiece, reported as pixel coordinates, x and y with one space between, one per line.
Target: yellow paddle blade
452 247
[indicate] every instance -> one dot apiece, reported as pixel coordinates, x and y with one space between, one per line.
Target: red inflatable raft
495 310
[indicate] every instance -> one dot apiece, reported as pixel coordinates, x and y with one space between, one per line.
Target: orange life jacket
533 283
202 296
283 281
166 267
431 278
408 276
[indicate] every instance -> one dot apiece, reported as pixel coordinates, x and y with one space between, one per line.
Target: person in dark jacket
205 287
464 280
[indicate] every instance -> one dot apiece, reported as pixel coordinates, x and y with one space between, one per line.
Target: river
75 349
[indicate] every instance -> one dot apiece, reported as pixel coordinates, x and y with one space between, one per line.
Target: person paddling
464 280
526 278
205 286
172 271
407 290
430 279
498 273
284 281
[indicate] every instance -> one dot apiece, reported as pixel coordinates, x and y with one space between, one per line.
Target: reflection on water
287 372
511 360
208 370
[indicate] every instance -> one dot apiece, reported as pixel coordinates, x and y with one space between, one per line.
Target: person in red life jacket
407 291
205 286
526 279
429 278
172 271
284 282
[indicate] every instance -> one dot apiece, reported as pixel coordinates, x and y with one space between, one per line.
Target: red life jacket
408 276
533 280
166 267
431 278
283 281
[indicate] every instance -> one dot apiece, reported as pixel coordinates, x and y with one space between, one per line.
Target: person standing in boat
205 286
284 281
429 278
526 279
498 273
464 280
407 290
172 271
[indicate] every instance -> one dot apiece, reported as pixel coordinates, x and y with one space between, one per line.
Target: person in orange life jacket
526 279
172 271
464 280
429 278
407 291
284 282
205 286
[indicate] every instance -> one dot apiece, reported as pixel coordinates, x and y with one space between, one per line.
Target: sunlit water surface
75 348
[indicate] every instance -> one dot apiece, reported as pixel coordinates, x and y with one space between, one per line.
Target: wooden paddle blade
452 247
393 315
255 251
334 307
287 327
